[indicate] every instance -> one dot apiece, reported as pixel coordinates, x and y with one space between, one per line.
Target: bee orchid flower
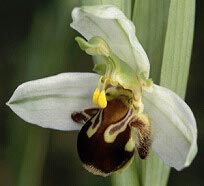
118 109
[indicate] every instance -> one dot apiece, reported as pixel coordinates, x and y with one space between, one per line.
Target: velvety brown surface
94 151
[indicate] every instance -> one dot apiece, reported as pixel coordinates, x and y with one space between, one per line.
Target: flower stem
153 171
128 177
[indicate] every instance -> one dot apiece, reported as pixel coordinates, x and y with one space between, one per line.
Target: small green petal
100 68
95 46
111 67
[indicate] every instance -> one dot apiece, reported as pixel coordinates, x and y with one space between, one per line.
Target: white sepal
49 102
174 127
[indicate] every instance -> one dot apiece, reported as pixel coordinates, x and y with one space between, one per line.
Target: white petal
49 102
174 127
111 24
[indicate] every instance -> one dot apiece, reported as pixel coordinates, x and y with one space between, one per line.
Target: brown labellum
106 142
99 156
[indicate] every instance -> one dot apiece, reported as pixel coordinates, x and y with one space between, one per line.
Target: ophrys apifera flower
130 112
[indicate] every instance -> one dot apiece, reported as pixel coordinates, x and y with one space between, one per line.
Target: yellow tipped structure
99 98
96 96
102 101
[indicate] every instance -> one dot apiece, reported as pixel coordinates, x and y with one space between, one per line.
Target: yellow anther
102 101
96 96
99 98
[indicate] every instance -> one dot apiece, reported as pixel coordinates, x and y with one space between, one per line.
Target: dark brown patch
105 158
83 116
114 112
79 117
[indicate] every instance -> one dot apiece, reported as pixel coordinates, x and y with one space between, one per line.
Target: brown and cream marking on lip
106 143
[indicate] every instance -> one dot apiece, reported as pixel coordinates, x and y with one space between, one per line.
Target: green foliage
150 18
178 45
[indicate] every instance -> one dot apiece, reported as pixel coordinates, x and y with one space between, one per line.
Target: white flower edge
49 102
174 127
116 29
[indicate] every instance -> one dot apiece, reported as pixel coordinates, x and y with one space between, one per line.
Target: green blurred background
37 41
